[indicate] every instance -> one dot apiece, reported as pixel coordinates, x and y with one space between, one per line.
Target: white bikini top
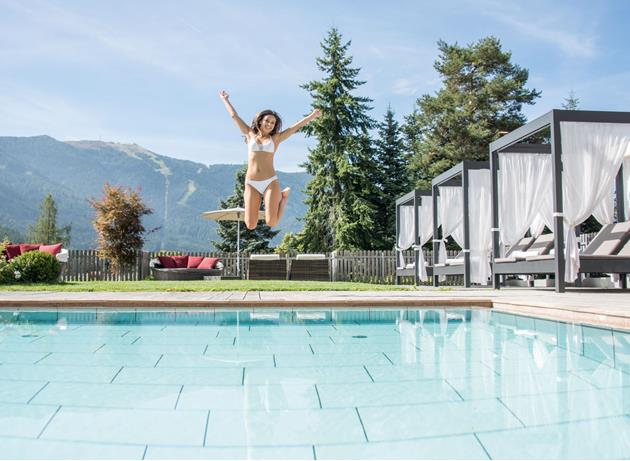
256 147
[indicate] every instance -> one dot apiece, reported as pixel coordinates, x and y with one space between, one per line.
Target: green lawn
223 285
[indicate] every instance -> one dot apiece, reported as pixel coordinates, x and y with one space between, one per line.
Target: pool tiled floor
475 385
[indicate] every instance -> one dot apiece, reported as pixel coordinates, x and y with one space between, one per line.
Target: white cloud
541 22
22 109
405 87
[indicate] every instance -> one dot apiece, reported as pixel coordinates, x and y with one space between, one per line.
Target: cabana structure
461 209
414 228
559 184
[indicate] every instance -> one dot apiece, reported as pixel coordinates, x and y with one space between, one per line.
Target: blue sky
149 71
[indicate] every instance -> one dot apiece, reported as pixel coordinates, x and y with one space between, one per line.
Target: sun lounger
608 252
267 267
521 251
310 267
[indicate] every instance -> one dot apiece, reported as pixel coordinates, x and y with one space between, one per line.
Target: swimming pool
305 384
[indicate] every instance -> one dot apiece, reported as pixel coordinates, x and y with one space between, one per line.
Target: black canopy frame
413 199
455 176
513 143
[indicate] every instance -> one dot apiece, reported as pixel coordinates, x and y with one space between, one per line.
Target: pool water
310 384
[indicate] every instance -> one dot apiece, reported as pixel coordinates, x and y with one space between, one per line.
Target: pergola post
436 242
417 199
620 194
466 249
397 233
558 209
496 250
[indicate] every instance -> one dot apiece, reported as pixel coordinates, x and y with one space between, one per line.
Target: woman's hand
316 113
224 95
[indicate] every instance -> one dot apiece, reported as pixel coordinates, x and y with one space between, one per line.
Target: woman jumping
261 182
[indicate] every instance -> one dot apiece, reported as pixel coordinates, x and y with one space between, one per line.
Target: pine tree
393 176
341 196
571 102
45 229
483 94
252 241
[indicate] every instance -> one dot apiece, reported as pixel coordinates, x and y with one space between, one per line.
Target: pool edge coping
532 309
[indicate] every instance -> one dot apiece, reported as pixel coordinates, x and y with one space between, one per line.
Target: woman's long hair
258 120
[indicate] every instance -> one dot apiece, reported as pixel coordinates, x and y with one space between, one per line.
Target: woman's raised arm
225 97
296 127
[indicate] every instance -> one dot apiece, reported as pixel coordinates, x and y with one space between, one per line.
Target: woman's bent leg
283 202
273 196
252 200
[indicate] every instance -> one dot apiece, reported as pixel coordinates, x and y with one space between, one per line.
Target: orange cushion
194 261
208 263
52 249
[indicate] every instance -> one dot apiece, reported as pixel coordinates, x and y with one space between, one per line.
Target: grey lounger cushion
609 240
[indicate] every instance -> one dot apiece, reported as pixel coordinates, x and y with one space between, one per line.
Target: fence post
333 264
144 264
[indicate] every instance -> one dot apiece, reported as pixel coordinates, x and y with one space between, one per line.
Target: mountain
178 191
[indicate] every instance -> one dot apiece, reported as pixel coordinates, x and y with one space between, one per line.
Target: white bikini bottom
261 186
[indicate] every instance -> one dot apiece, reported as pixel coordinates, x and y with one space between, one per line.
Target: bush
32 267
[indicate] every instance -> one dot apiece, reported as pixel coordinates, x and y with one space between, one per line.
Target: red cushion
13 251
194 261
167 262
24 247
52 249
208 263
180 261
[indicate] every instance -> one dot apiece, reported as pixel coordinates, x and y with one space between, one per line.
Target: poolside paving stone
16 391
291 452
605 438
18 448
180 375
283 427
453 447
250 397
58 373
559 407
24 420
399 422
377 394
128 426
311 375
156 396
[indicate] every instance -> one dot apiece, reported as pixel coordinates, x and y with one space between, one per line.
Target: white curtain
425 220
591 156
626 184
451 217
425 225
480 222
525 183
405 232
604 212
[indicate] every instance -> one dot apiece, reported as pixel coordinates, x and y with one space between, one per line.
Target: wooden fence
370 266
346 266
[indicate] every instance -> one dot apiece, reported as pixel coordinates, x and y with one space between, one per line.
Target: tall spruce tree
482 95
571 102
393 176
342 195
252 241
45 229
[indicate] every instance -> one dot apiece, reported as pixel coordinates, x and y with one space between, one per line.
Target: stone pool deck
604 308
